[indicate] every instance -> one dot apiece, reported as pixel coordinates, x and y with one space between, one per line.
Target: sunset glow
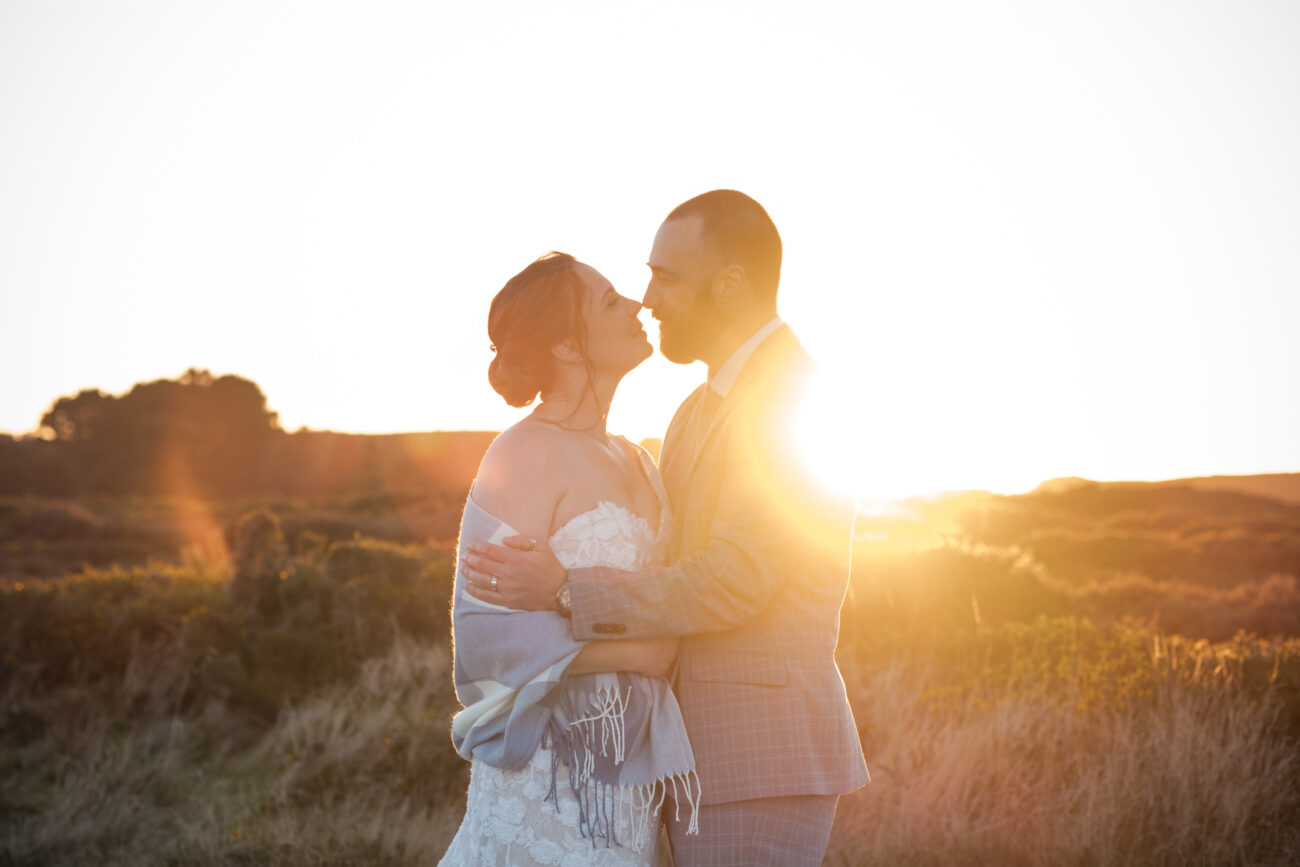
853 447
1025 241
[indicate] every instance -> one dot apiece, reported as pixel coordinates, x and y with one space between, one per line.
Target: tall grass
1002 760
360 772
1181 767
291 706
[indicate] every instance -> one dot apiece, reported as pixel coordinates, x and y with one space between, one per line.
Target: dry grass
1010 716
359 773
1190 774
1027 761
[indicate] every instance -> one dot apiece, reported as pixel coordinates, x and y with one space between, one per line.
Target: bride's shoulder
524 448
521 477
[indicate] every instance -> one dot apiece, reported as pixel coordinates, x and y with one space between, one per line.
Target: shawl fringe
601 801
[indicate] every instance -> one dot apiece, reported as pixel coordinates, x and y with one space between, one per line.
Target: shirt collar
725 378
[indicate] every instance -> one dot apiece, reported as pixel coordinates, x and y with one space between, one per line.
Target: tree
76 418
195 435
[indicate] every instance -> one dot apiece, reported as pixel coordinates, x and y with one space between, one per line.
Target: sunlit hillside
1090 673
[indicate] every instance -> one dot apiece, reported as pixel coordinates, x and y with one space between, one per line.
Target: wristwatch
562 600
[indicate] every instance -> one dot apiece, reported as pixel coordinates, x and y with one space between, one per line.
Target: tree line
215 437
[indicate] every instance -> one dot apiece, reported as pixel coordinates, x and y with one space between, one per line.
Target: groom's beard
686 336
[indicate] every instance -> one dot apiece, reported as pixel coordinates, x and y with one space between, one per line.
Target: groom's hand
526 572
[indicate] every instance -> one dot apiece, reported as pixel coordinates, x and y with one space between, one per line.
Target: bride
573 745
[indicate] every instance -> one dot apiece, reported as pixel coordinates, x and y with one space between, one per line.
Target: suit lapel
675 456
652 475
768 352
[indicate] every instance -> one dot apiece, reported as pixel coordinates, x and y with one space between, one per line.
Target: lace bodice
610 535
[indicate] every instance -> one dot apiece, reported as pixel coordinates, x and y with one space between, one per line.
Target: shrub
294 624
260 558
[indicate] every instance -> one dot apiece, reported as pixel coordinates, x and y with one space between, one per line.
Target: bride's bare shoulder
525 456
526 440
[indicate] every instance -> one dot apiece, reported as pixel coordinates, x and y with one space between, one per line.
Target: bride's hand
526 574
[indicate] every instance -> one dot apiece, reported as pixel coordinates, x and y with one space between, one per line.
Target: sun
847 446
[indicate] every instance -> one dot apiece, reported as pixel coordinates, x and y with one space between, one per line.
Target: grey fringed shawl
620 735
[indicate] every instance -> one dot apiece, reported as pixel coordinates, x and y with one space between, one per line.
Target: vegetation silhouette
214 437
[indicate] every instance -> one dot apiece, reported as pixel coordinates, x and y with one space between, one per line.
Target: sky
1024 240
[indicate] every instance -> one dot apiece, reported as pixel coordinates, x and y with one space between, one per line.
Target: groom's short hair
738 231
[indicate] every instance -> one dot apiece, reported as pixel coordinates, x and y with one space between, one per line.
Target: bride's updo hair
538 308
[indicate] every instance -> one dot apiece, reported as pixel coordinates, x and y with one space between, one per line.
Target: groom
761 559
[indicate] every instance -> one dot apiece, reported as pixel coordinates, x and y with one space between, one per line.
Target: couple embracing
637 644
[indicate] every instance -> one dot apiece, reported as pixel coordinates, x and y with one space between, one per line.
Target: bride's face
616 341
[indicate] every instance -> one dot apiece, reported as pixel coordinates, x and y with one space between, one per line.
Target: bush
255 638
260 557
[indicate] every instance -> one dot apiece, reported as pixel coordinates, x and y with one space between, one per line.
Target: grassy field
282 696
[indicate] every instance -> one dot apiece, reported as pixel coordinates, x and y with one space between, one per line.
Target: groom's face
679 294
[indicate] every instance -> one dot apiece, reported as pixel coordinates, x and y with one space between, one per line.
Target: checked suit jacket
755 588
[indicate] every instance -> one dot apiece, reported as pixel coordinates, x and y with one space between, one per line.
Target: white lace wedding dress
507 821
